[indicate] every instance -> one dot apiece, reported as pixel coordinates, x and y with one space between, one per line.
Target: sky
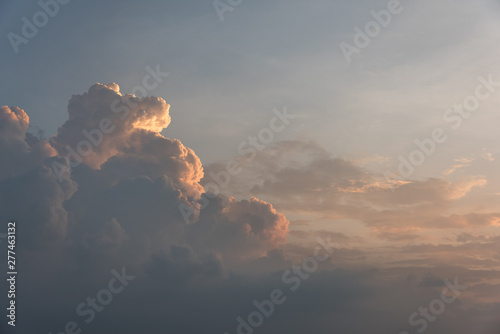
237 166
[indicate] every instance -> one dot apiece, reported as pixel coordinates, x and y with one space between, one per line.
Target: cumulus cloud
21 150
121 186
104 107
36 199
120 134
240 229
113 200
29 190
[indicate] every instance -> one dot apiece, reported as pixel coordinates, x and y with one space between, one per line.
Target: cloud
125 190
119 207
455 168
36 200
126 115
303 178
240 229
29 190
21 150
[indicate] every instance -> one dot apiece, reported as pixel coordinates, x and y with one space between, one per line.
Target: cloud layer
115 203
